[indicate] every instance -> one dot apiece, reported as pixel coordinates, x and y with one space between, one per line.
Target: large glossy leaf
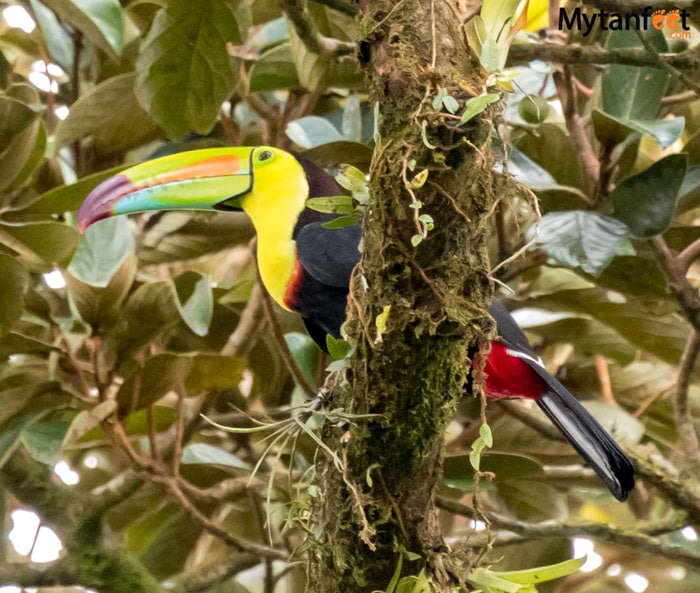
631 92
583 239
14 281
552 149
43 440
22 137
101 305
41 245
178 236
111 115
612 130
66 198
646 202
160 375
183 70
101 21
58 40
274 70
15 117
102 250
311 131
194 301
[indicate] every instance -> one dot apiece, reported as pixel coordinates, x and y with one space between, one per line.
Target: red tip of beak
100 201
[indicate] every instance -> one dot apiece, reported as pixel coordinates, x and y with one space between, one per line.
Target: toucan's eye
265 155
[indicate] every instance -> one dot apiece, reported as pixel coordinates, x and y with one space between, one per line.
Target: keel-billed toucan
306 268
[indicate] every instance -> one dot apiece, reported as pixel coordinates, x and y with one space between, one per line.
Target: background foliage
115 343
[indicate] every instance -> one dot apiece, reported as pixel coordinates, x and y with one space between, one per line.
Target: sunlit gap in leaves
636 582
584 547
66 473
31 539
43 75
17 17
54 279
689 533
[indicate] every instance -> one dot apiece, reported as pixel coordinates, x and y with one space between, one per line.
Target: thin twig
681 409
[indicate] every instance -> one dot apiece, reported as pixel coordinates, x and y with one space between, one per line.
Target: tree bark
378 511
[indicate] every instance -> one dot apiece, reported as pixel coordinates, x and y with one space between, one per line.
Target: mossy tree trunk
435 293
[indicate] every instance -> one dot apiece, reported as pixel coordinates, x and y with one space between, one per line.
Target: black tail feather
589 438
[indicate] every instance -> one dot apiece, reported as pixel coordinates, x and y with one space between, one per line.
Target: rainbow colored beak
207 179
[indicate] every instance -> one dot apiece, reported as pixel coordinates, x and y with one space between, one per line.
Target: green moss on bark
414 374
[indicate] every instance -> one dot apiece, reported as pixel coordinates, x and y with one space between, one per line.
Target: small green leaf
416 240
451 104
646 202
205 453
541 574
419 181
476 105
381 320
331 204
337 347
343 221
486 434
424 135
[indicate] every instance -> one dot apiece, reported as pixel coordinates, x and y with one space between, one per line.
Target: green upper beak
208 179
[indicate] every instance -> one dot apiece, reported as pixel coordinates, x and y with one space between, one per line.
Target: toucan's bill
207 179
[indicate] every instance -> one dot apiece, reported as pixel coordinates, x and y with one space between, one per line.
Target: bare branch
309 34
681 408
643 538
594 54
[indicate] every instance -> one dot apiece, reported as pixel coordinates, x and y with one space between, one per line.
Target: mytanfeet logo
674 22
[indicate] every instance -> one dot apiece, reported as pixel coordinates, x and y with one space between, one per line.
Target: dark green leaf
274 70
332 204
111 115
15 117
100 306
211 372
689 193
43 440
611 130
583 239
646 202
553 150
100 21
41 245
14 281
87 420
341 152
160 375
631 92
184 71
305 354
66 198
